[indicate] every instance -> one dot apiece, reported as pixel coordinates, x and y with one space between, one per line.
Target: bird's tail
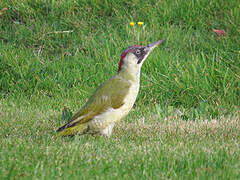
68 131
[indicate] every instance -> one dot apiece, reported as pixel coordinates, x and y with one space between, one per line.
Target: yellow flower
140 23
132 23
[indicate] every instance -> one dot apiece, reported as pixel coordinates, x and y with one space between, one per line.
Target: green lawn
185 123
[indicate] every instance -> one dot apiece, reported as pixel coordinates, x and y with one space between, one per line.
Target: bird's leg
107 131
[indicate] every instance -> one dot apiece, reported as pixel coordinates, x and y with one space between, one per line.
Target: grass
185 123
166 149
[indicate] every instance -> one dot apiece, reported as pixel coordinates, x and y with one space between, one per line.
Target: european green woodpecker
113 99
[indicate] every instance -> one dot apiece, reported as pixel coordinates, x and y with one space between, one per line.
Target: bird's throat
130 75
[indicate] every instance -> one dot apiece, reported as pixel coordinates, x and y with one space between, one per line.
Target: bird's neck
130 74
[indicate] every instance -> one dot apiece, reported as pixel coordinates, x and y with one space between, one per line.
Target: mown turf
170 148
185 123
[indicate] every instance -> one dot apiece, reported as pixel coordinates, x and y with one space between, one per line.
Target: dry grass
225 126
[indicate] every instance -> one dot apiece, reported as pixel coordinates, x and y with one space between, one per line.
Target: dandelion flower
132 23
140 23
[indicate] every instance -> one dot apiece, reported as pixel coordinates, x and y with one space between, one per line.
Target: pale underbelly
112 115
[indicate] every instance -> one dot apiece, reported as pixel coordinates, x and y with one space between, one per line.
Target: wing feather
111 94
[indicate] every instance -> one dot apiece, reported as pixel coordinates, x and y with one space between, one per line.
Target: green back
110 94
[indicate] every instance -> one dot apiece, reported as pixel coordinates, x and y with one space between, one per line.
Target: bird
113 99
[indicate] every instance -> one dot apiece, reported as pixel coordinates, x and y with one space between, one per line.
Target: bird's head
134 56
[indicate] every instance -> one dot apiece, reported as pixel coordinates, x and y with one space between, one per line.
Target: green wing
110 94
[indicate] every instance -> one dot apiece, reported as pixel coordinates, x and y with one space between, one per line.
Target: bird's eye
138 51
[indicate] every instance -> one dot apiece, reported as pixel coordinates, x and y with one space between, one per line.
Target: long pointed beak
151 46
148 50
